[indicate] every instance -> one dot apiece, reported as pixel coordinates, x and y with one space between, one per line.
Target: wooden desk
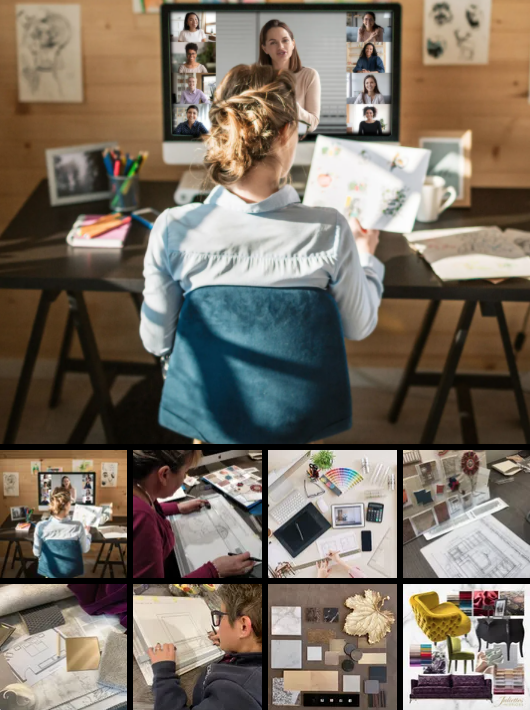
15 539
34 255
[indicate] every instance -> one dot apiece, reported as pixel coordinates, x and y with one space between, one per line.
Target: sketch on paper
109 475
88 515
10 484
49 53
183 622
488 549
207 534
343 543
456 32
378 184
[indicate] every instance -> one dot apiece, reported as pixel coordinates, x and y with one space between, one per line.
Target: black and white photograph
77 174
18 513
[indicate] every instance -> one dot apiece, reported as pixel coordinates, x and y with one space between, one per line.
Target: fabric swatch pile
421 654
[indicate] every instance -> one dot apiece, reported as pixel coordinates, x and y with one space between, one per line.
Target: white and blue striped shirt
56 529
276 242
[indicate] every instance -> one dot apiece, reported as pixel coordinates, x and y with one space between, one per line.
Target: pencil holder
124 193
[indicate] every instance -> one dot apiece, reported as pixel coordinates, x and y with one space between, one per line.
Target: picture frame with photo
500 607
18 513
428 472
77 173
451 159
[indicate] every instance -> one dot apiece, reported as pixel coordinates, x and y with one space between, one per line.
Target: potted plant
323 459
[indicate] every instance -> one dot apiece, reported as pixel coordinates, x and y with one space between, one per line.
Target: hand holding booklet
378 184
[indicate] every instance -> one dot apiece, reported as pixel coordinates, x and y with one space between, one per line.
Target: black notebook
302 530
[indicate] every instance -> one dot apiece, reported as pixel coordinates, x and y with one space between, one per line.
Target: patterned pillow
437 680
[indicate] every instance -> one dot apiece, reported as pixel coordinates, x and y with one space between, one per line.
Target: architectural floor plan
485 548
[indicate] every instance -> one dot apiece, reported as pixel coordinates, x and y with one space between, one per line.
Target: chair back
253 365
61 559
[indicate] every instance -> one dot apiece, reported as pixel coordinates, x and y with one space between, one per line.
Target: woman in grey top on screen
370 31
370 93
369 62
192 66
278 48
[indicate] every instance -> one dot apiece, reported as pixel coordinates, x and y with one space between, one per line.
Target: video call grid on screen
83 485
357 60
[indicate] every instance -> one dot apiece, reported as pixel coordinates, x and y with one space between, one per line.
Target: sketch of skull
441 13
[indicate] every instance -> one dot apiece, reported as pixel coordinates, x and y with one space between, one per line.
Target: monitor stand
192 186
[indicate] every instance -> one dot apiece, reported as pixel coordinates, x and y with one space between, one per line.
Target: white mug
432 201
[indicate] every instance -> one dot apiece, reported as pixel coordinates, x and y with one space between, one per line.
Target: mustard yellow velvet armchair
438 621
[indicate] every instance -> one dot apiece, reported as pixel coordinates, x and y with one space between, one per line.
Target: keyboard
285 510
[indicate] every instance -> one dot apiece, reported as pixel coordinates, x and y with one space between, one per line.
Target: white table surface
350 459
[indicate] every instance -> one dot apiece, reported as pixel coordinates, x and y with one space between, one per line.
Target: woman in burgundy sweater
159 474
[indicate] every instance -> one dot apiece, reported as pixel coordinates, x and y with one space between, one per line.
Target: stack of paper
474 253
183 622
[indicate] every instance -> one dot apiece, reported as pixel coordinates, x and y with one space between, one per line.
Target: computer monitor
83 485
214 455
337 41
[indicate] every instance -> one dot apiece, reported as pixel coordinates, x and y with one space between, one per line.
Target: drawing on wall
10 484
35 467
109 475
387 187
49 53
456 32
488 549
82 465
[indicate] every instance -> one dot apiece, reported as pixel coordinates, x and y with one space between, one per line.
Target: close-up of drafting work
197 645
197 513
63 647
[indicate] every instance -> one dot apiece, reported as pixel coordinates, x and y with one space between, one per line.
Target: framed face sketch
451 160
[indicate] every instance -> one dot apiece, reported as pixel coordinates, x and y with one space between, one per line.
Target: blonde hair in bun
251 105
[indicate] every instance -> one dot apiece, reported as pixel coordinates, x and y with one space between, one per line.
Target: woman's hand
161 653
214 638
323 569
336 559
365 239
190 506
233 566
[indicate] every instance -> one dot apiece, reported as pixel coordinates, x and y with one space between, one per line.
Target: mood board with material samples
465 642
341 655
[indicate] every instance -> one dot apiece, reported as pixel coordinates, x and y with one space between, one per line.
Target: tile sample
331 658
311 680
371 686
351 683
331 614
286 654
337 645
313 614
372 658
82 654
280 696
286 621
377 673
362 642
320 636
314 653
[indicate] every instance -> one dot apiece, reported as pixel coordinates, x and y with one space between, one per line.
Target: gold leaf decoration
368 617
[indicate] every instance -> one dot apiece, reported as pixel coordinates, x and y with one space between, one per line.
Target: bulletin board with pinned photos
440 485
